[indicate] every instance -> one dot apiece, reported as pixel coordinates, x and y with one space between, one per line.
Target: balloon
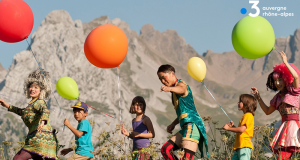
253 37
106 46
196 68
16 19
67 88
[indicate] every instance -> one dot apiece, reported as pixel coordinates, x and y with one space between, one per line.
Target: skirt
287 137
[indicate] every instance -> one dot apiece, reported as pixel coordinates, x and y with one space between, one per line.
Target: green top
44 143
186 112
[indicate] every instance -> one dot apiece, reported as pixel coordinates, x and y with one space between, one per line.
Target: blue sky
205 24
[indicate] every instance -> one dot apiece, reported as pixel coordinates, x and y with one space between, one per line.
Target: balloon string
119 93
216 100
100 111
276 50
43 75
13 98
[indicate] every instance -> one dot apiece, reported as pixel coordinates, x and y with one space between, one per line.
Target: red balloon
106 46
16 20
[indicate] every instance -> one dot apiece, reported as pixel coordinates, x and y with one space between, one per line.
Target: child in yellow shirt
244 132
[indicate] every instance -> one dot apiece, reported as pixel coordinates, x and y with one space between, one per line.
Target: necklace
175 82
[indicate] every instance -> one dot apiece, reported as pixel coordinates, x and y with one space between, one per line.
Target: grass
111 144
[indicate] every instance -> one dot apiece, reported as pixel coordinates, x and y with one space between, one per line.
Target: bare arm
264 107
294 74
171 127
291 69
175 122
230 127
66 151
4 104
180 89
76 132
240 129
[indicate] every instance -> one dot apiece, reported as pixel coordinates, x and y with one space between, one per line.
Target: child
82 134
192 131
244 132
41 140
285 79
142 128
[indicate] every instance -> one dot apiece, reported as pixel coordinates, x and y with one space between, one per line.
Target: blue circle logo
243 10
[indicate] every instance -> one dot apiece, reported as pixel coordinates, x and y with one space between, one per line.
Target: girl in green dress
41 141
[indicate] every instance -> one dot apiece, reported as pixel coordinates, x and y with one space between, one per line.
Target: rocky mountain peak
208 52
297 33
58 16
1 67
170 46
146 30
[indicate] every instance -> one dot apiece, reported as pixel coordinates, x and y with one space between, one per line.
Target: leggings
24 155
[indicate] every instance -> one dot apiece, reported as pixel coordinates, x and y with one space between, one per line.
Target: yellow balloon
196 68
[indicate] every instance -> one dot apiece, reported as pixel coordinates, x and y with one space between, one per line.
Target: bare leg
190 148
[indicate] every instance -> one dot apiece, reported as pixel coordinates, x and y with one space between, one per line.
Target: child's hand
226 127
124 131
231 124
255 93
4 104
66 122
65 151
40 127
170 128
283 56
165 88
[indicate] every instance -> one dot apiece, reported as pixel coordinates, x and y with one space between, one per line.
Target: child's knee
169 144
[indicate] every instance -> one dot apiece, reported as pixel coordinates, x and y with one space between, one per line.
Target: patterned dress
187 112
45 143
287 137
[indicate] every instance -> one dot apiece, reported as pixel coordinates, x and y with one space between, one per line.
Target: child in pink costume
285 79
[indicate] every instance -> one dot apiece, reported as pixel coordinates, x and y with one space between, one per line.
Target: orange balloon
106 46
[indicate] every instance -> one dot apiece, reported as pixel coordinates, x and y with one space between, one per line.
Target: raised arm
291 69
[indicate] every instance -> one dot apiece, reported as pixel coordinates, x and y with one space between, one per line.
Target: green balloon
67 88
253 37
